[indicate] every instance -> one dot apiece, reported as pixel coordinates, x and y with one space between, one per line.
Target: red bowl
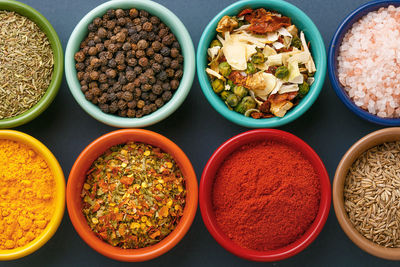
207 181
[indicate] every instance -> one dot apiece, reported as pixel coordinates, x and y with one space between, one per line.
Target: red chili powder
266 195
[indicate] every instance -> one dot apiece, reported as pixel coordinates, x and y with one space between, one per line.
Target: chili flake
133 196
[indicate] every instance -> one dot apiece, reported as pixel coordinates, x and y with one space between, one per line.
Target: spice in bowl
371 194
260 64
265 196
27 196
368 63
134 195
26 64
130 64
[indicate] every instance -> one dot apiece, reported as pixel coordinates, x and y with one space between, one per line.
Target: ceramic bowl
48 97
59 189
333 53
303 22
206 187
365 143
176 26
77 178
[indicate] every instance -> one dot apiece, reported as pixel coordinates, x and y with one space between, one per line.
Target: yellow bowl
58 174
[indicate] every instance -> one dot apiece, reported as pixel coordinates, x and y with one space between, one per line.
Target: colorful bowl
206 187
48 97
365 143
176 26
333 53
55 221
77 178
303 22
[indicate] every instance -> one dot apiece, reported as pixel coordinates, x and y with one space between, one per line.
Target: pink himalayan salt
369 62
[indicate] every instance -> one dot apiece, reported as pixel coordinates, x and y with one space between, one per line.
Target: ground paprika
266 195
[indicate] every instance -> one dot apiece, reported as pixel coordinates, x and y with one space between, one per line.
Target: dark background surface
328 126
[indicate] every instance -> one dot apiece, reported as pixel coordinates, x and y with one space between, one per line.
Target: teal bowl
302 22
176 26
52 90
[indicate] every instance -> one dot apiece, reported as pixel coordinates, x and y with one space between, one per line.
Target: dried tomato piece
256 115
263 21
244 12
237 78
265 106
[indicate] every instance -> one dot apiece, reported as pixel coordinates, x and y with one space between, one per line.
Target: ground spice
134 195
26 64
265 196
26 194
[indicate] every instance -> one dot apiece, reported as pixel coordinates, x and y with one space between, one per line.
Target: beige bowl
368 141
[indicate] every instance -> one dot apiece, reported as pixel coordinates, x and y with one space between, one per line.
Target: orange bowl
77 178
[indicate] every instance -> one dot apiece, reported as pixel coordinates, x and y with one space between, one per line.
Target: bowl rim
297 111
58 68
368 141
58 174
206 208
143 254
180 94
334 45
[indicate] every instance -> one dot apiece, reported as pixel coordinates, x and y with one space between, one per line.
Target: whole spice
128 50
26 194
134 195
26 64
265 195
372 195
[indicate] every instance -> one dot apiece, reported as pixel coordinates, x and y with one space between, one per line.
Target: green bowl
56 78
176 26
303 22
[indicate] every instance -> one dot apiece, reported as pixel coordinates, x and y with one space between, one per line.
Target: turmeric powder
27 195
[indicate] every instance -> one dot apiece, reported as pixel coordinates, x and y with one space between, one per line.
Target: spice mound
130 64
265 195
27 197
260 65
134 196
372 194
368 62
26 64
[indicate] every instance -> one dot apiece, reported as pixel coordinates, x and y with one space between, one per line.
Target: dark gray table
329 127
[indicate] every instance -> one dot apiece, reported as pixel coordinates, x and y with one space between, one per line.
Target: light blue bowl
333 53
176 26
302 22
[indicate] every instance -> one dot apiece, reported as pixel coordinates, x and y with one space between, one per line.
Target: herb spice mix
134 195
26 64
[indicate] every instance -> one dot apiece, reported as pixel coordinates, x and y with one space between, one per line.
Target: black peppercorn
159 102
174 52
162 76
113 107
147 26
157 89
80 66
132 104
140 104
79 56
139 114
89 95
131 113
174 84
104 107
166 62
84 88
166 96
133 13
165 51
